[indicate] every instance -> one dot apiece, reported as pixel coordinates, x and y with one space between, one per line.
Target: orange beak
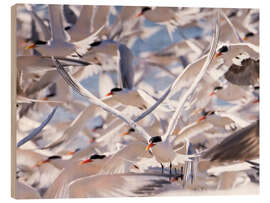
45 99
92 140
217 54
70 153
42 162
124 133
201 119
244 38
256 101
86 161
212 93
139 15
31 46
149 146
109 94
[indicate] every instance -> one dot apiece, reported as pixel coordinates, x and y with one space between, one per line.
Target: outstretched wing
240 146
131 184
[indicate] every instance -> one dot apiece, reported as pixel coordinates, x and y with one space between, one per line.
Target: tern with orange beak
93 157
59 44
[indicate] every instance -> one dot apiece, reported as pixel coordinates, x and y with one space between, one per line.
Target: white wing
23 191
56 22
131 184
183 99
45 30
78 123
85 93
232 26
82 28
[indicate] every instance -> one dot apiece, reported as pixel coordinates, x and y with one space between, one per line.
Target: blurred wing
246 74
192 130
69 14
44 63
206 64
126 73
78 123
240 146
56 22
44 29
23 191
186 75
101 17
122 161
22 99
83 45
118 185
37 130
235 32
77 87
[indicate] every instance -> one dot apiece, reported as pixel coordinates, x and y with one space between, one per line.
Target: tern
201 102
119 162
240 146
127 184
24 191
59 44
82 28
163 152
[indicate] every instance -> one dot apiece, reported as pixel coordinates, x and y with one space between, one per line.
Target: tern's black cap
155 139
256 87
116 89
54 157
144 9
39 42
223 49
218 88
67 28
249 34
97 156
131 130
207 113
94 44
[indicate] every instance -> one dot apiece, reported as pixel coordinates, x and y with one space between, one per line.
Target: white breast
163 152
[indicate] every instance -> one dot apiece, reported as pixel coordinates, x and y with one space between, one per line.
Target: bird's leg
170 170
175 171
162 168
181 173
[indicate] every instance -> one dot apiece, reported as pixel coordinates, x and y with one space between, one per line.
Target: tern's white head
152 142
